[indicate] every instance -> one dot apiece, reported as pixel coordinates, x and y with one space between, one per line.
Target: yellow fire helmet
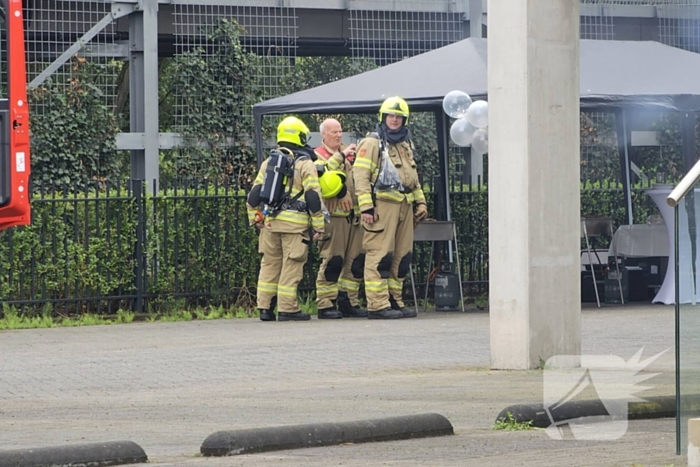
292 130
332 183
394 106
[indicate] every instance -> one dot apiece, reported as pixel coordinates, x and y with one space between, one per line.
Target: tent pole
688 120
442 192
688 139
623 149
258 138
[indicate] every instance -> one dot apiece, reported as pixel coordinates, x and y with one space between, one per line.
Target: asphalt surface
167 386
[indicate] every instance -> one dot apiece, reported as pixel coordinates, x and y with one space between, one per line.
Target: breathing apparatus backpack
277 183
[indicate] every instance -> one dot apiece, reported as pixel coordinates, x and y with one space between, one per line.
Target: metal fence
99 248
52 27
270 34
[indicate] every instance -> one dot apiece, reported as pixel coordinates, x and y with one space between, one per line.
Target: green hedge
71 249
201 242
83 247
199 248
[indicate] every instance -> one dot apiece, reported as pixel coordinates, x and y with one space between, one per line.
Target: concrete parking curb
651 407
93 454
227 443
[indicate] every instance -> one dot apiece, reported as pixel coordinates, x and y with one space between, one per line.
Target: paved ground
167 386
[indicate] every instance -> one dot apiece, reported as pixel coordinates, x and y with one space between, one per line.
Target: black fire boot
298 316
329 313
355 312
387 313
267 315
347 309
407 312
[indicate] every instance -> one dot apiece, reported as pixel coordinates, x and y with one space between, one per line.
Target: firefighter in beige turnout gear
353 269
389 212
335 244
285 238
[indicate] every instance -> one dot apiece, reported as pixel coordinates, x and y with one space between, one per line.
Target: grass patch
125 317
173 316
542 364
162 309
11 318
482 302
309 306
511 424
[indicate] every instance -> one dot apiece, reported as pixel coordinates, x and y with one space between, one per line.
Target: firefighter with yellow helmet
335 245
392 202
285 202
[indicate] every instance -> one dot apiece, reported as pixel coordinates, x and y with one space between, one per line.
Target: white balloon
478 114
480 140
461 132
456 103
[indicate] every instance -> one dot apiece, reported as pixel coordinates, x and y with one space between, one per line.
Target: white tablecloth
640 240
667 292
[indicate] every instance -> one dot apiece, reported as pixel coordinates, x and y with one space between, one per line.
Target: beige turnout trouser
388 243
332 249
354 265
281 268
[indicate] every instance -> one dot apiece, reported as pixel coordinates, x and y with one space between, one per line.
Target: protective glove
420 214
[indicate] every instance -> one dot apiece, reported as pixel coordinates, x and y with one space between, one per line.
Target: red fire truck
14 125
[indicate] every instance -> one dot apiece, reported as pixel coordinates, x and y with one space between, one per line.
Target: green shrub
75 247
83 246
201 242
199 249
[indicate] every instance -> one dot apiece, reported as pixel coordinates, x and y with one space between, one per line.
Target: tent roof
614 74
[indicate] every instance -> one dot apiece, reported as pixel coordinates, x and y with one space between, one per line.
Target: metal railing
684 186
99 247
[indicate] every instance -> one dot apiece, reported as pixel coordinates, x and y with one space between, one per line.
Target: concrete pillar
534 194
694 442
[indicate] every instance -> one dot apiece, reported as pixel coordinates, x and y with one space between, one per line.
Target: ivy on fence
75 138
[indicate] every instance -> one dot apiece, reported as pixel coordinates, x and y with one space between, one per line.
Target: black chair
436 231
597 227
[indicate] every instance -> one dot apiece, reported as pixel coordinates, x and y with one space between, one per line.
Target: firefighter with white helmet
285 202
335 245
392 202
